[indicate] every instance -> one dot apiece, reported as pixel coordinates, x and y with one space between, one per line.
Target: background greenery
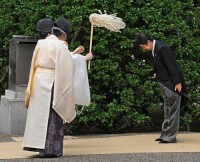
124 99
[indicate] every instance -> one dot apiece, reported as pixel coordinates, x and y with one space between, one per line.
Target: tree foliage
122 94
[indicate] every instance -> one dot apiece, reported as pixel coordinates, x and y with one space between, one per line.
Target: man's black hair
142 38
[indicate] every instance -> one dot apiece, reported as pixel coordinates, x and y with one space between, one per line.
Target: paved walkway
109 145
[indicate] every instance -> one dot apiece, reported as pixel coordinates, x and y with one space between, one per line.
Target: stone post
12 110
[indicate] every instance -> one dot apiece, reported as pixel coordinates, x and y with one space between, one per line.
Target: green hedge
123 96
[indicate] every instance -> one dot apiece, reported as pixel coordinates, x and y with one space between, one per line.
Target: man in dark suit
171 82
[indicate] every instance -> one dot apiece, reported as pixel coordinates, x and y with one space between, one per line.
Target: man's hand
79 50
178 87
89 56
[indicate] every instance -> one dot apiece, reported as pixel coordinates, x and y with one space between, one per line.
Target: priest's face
147 46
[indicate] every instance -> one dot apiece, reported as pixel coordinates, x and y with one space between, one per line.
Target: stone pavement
116 148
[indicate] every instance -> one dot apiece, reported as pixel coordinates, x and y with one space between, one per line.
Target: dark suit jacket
166 68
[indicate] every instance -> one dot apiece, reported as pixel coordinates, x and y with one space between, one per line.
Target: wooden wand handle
91 36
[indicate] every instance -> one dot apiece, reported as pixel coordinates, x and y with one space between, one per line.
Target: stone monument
12 110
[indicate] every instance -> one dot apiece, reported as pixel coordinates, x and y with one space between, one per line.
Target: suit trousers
170 125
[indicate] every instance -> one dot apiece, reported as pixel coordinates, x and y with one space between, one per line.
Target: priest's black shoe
42 155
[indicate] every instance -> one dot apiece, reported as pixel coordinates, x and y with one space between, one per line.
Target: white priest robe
81 84
51 64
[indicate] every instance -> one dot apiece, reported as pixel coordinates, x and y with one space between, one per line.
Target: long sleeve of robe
81 83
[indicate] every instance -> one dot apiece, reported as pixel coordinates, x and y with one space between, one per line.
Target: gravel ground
144 157
5 138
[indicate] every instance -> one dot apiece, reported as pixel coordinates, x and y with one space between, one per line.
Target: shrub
123 96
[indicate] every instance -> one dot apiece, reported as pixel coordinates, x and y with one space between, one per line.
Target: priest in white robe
49 97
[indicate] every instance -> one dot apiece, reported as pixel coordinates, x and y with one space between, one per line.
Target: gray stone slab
14 95
12 113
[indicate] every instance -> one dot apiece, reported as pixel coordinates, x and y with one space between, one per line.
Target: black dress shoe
158 139
163 141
